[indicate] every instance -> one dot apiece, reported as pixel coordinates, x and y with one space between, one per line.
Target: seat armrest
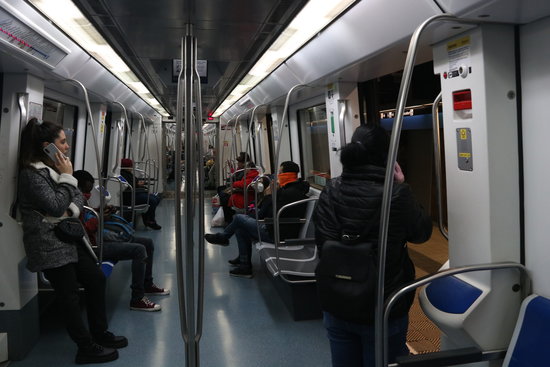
298 242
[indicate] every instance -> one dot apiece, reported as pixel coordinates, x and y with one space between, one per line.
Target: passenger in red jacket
239 186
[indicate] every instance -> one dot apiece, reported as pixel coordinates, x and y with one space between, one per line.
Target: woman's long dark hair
369 145
34 134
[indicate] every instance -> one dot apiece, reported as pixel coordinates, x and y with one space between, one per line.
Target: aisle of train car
245 322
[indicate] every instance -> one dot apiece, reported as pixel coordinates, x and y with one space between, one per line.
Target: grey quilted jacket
45 197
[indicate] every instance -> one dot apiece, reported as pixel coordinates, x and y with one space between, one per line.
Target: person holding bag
48 194
347 223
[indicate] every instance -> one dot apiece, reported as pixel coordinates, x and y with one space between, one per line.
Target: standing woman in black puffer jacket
48 193
349 204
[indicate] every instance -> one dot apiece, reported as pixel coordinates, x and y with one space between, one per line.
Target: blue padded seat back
530 344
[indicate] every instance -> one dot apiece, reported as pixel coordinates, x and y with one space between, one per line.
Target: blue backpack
118 229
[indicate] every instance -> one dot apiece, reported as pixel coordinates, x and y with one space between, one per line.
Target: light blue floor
245 322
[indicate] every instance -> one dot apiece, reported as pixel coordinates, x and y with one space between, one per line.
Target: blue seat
107 267
530 342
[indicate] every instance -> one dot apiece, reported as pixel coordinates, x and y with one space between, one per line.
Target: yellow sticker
464 155
463 134
461 42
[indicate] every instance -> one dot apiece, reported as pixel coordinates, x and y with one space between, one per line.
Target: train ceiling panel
231 36
508 11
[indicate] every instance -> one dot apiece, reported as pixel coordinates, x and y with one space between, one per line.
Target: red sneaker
154 290
144 305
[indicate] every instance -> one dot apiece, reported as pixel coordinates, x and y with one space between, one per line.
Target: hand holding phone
62 163
51 151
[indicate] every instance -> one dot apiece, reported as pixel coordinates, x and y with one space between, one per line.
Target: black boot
242 271
216 239
110 340
236 261
95 353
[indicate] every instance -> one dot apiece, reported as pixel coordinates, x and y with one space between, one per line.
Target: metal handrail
437 161
342 121
276 230
22 102
392 299
99 165
120 127
278 153
259 142
258 178
388 181
131 153
198 121
177 207
146 136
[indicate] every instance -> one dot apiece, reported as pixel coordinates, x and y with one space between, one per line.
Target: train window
64 115
314 143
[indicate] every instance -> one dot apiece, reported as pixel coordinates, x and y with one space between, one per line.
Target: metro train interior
182 87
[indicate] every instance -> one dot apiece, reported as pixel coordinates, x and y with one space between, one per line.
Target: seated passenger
234 196
142 195
139 249
245 228
48 193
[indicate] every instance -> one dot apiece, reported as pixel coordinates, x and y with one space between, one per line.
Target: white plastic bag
219 219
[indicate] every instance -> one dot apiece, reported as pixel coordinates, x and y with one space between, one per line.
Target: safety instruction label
458 53
464 149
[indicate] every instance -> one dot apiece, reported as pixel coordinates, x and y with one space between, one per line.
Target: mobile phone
50 150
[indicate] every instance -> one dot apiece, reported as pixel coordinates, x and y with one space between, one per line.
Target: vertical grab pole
127 123
381 341
437 158
280 130
177 207
101 179
191 356
200 285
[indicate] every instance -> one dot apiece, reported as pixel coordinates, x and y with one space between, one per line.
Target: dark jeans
140 251
245 229
154 200
65 281
352 345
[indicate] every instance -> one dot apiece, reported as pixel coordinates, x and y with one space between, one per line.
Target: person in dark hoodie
245 228
349 204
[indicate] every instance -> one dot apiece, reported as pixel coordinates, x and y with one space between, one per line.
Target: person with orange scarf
245 228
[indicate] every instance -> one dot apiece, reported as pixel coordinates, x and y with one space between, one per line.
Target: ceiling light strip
313 18
71 20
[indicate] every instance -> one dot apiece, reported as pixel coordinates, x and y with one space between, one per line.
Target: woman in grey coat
48 193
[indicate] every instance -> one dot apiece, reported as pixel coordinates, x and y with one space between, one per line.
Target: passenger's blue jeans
352 344
140 251
245 229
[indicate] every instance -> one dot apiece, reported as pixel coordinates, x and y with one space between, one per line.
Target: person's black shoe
95 353
241 272
153 225
236 261
110 340
216 239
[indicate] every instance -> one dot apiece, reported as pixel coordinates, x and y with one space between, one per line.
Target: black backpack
347 276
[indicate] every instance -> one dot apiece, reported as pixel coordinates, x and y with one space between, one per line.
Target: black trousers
66 281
